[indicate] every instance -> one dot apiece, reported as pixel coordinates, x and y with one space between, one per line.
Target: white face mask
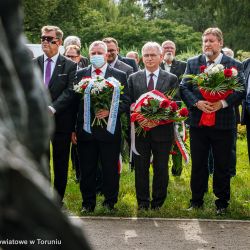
97 61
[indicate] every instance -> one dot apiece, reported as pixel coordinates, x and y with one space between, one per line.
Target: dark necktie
48 72
151 82
98 72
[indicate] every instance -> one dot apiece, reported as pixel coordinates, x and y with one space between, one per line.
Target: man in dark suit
58 73
169 63
158 140
220 136
176 67
246 103
100 144
130 61
113 60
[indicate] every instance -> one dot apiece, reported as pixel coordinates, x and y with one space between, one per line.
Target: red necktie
98 72
151 82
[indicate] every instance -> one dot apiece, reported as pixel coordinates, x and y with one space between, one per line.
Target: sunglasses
49 39
73 57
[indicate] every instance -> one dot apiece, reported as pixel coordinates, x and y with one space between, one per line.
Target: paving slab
114 233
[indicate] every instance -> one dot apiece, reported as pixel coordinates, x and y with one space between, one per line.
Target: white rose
234 72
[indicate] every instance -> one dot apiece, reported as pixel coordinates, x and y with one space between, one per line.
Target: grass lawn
178 195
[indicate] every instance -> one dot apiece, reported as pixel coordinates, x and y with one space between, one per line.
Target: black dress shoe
221 211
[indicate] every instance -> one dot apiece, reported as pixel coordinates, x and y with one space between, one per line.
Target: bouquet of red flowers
153 109
215 83
99 93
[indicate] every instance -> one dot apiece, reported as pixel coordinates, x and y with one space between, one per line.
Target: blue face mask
97 61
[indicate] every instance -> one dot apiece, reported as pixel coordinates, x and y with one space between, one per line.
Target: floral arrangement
153 109
216 79
215 83
101 92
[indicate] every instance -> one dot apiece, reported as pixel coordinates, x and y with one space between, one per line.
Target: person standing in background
59 74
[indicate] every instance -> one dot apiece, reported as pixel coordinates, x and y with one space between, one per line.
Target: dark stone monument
29 217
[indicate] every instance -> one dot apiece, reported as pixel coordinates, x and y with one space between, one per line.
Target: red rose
84 86
173 106
228 73
109 84
165 103
183 112
202 68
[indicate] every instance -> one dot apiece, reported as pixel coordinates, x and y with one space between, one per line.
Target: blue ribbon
114 105
86 111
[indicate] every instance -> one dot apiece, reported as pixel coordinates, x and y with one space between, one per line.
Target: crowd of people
95 155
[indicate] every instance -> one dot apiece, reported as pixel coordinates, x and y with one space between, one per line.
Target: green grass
178 195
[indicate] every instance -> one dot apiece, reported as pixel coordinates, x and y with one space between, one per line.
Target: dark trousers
75 161
248 134
160 151
89 152
60 153
221 141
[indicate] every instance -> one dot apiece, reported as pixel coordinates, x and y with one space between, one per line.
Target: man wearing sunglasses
58 74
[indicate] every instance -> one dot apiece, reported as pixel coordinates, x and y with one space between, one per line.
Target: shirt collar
217 60
103 68
156 73
53 58
114 62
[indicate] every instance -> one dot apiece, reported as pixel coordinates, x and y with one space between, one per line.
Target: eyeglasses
111 50
150 55
69 56
49 39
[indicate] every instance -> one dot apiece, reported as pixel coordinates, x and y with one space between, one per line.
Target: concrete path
160 234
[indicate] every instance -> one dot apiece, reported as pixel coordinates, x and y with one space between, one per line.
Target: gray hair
153 45
72 40
228 52
98 43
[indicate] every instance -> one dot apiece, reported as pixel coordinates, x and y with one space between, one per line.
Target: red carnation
165 103
228 73
183 112
202 68
109 84
173 106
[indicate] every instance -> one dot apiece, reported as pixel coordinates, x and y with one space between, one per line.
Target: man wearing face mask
58 73
99 144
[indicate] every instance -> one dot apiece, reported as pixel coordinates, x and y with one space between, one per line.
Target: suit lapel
160 80
143 81
108 72
40 62
173 66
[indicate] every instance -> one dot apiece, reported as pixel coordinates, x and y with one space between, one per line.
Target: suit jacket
123 67
177 68
138 86
98 132
246 68
131 62
225 117
60 89
84 62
